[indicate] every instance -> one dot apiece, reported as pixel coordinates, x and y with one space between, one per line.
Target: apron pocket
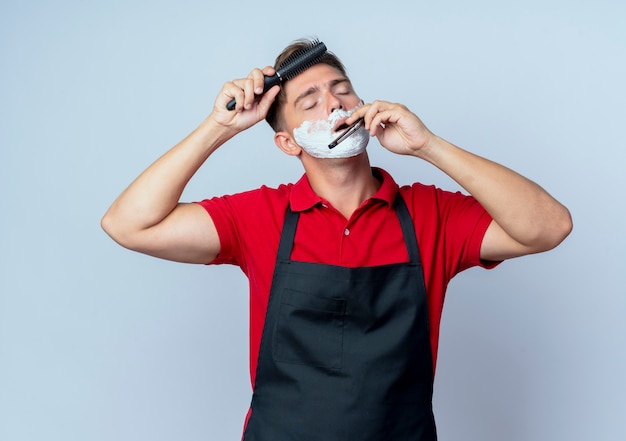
309 330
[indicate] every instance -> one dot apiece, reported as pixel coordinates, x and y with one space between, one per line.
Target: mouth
341 125
346 133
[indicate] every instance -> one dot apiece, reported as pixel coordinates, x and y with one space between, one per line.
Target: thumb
267 100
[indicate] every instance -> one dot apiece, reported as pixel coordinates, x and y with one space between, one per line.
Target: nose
334 103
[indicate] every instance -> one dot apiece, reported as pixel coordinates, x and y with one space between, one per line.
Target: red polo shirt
449 228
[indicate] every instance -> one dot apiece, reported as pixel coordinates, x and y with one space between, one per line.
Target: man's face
315 93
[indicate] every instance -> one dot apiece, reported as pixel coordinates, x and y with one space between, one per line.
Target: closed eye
309 106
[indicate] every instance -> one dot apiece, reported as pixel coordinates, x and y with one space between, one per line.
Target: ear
287 144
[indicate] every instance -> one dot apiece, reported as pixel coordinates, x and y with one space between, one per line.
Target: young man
347 270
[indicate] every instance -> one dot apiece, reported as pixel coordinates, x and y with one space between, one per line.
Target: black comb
294 65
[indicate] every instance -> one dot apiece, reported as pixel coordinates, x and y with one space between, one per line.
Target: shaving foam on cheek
314 137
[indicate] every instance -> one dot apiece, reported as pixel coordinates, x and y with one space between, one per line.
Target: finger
269 71
257 76
243 92
385 119
373 110
358 113
232 90
385 114
248 91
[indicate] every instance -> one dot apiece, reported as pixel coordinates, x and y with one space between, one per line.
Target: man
347 271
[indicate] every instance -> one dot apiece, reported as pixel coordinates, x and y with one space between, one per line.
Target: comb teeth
302 60
300 52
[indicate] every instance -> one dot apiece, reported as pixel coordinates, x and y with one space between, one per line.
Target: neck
344 183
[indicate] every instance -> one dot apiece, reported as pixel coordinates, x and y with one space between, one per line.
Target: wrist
213 133
428 150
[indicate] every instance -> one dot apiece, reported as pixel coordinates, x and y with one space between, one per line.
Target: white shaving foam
314 137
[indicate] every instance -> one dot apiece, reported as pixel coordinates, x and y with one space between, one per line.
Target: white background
99 343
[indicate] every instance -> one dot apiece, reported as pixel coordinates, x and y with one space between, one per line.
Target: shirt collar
303 197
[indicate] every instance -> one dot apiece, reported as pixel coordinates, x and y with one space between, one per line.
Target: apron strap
408 230
286 238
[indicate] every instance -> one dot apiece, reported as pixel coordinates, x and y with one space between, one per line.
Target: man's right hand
252 105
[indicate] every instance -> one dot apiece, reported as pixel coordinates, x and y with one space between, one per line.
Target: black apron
345 352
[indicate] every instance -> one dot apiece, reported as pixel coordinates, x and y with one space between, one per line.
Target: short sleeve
450 228
222 214
248 224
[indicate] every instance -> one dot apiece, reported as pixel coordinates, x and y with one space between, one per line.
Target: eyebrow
314 89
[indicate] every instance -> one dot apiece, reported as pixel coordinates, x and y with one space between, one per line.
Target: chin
351 159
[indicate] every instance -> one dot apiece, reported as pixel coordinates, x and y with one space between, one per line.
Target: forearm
524 210
153 195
